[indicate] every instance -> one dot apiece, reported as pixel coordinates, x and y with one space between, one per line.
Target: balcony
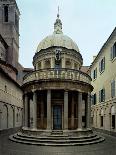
62 74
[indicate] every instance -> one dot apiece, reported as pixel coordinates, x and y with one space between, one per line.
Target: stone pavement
108 147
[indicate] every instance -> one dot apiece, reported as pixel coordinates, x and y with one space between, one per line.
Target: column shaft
49 110
79 110
0 119
26 110
52 62
35 110
72 112
66 110
88 111
42 112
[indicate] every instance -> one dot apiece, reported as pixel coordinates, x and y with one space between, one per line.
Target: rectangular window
95 73
113 51
101 121
113 88
94 99
5 13
102 65
102 95
113 121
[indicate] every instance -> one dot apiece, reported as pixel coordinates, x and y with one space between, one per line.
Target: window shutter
104 63
115 88
111 54
111 89
103 94
95 73
100 96
92 100
100 66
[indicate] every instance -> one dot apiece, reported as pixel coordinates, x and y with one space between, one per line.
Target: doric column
63 62
73 65
79 110
52 63
0 118
72 112
88 111
42 64
35 110
49 110
42 112
26 110
66 110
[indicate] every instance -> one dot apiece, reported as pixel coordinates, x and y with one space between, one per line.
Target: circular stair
56 139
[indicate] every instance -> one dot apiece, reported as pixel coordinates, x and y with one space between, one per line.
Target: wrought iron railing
64 74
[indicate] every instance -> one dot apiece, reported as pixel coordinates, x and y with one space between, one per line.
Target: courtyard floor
108 147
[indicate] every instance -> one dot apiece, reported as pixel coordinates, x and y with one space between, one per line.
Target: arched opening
4 117
113 117
102 118
11 117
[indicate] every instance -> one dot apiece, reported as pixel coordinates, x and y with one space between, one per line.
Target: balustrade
66 74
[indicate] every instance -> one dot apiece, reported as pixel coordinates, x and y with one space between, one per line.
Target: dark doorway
57 117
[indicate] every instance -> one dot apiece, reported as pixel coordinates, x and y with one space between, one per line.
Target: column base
79 129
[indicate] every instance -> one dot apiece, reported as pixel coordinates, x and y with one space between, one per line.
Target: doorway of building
57 117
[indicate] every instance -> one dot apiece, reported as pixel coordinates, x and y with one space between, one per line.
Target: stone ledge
112 133
9 131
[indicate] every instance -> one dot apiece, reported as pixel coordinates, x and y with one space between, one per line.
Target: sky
88 22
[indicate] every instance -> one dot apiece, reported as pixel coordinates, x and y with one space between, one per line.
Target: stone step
57 132
66 137
56 141
54 144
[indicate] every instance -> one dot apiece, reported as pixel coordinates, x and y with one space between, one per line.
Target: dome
57 39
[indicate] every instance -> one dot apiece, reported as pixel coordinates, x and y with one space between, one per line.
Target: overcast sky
88 22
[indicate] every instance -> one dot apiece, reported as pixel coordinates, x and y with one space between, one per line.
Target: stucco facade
103 73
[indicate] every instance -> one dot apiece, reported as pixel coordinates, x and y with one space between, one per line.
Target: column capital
33 90
25 93
80 92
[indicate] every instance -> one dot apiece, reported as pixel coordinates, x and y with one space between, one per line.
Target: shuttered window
113 51
94 99
113 88
102 95
95 73
102 65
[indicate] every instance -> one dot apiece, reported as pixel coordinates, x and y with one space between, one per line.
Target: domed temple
57 100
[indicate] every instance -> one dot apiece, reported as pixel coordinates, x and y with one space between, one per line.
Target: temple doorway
57 117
